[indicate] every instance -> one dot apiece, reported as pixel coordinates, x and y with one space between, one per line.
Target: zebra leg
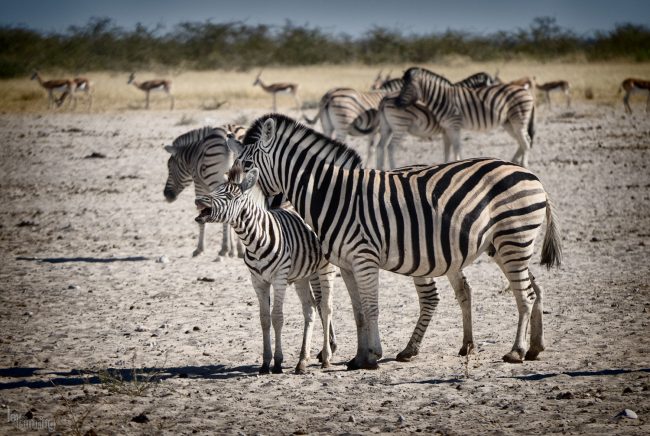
277 318
308 304
446 140
393 144
366 274
322 290
263 291
523 140
199 247
226 241
373 142
359 317
428 298
536 323
464 296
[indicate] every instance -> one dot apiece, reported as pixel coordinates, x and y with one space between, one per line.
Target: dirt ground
99 337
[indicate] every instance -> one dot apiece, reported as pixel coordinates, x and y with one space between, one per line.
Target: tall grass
198 90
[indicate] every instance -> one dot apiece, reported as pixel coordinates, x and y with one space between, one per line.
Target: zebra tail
531 126
552 245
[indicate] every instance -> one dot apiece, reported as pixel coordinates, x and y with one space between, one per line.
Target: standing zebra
477 109
201 156
415 119
424 222
346 111
280 249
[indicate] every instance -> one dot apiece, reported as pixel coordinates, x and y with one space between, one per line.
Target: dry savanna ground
109 326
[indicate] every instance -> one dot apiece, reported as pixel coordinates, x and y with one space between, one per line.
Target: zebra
478 109
415 119
423 222
346 111
280 249
201 156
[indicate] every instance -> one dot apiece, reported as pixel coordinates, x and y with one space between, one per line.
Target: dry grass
200 90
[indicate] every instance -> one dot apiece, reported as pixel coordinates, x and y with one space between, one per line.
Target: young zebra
280 250
201 157
416 119
486 108
633 86
424 222
345 111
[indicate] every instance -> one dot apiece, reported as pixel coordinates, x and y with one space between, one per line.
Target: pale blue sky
334 16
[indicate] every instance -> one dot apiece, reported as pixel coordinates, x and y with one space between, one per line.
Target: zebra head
226 203
254 152
411 90
178 175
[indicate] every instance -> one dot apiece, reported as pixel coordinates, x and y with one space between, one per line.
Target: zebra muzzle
206 212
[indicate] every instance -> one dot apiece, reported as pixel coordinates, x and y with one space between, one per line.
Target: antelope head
257 78
131 78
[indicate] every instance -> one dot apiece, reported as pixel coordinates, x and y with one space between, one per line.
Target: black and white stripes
280 249
423 221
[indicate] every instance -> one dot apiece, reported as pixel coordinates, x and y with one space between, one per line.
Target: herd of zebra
302 202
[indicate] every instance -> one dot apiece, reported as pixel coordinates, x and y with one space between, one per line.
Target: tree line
101 44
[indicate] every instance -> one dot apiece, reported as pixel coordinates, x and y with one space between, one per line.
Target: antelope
64 86
379 81
631 86
80 84
558 85
156 85
275 88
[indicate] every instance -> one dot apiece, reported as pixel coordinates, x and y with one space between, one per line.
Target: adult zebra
202 157
346 111
424 222
415 119
280 249
455 107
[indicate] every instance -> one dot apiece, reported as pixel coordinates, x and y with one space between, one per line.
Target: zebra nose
170 195
230 135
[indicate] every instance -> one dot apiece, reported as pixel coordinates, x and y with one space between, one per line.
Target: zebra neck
252 226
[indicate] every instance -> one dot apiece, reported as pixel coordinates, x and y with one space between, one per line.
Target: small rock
196 328
95 155
401 419
140 328
26 223
627 390
351 419
205 279
76 287
565 396
627 413
140 419
162 259
30 415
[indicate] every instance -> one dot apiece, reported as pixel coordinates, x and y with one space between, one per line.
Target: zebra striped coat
201 157
424 221
280 249
415 119
346 111
457 108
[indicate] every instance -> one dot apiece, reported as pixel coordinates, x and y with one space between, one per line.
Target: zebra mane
193 136
236 175
344 152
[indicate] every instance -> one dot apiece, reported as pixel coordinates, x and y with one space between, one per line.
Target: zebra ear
171 149
235 146
268 134
250 178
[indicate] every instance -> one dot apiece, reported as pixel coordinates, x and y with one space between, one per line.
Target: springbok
558 85
158 85
63 86
281 87
633 86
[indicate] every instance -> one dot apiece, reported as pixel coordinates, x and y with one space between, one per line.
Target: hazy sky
333 16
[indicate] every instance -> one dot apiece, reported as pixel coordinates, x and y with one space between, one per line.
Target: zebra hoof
196 252
325 365
513 357
466 349
277 369
265 369
532 355
353 365
406 356
301 368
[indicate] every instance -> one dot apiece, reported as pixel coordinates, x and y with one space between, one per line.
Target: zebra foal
201 157
456 108
280 250
422 221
